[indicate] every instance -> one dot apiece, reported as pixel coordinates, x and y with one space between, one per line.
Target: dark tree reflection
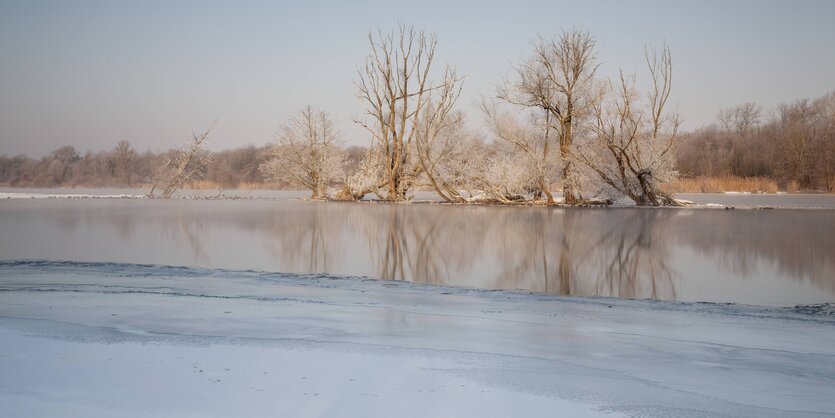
624 252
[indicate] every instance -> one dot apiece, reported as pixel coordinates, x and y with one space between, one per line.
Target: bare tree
187 163
632 147
440 140
726 119
557 79
125 154
308 153
796 129
741 118
395 88
747 116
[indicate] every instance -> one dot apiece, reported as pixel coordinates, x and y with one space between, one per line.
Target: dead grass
725 184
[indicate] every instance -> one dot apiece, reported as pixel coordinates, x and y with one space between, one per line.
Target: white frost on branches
630 150
308 153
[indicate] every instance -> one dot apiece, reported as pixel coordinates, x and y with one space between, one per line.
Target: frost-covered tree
631 147
504 174
441 144
529 148
396 90
366 179
458 169
187 163
556 79
308 153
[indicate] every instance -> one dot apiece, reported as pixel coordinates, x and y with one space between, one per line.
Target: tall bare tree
741 118
308 153
632 148
557 78
125 155
440 141
395 89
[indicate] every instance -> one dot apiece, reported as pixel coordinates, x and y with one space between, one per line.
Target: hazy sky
92 73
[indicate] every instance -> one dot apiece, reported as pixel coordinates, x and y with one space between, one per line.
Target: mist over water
774 257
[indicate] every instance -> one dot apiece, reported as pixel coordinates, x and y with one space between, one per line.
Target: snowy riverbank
97 339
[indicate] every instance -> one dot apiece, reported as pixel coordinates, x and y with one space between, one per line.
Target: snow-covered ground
97 339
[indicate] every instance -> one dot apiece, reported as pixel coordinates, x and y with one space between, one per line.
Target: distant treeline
123 166
793 146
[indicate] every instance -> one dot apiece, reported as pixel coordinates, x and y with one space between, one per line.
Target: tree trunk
568 188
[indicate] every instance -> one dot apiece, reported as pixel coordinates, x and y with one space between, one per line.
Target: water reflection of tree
428 244
586 252
634 254
799 243
574 251
192 234
306 238
523 248
566 252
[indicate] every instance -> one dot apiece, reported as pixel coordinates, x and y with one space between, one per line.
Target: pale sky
91 73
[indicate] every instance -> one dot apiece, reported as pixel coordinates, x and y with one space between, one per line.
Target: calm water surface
763 257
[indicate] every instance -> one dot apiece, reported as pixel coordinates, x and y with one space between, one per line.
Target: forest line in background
787 152
554 125
717 160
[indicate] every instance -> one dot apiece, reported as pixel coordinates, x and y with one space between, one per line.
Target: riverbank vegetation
553 126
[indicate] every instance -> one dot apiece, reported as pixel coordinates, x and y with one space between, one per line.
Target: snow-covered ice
98 339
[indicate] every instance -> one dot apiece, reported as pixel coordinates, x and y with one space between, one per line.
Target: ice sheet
100 339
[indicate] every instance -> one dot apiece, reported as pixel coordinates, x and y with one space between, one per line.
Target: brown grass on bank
725 184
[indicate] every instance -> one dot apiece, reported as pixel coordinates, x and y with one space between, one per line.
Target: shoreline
823 312
296 195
